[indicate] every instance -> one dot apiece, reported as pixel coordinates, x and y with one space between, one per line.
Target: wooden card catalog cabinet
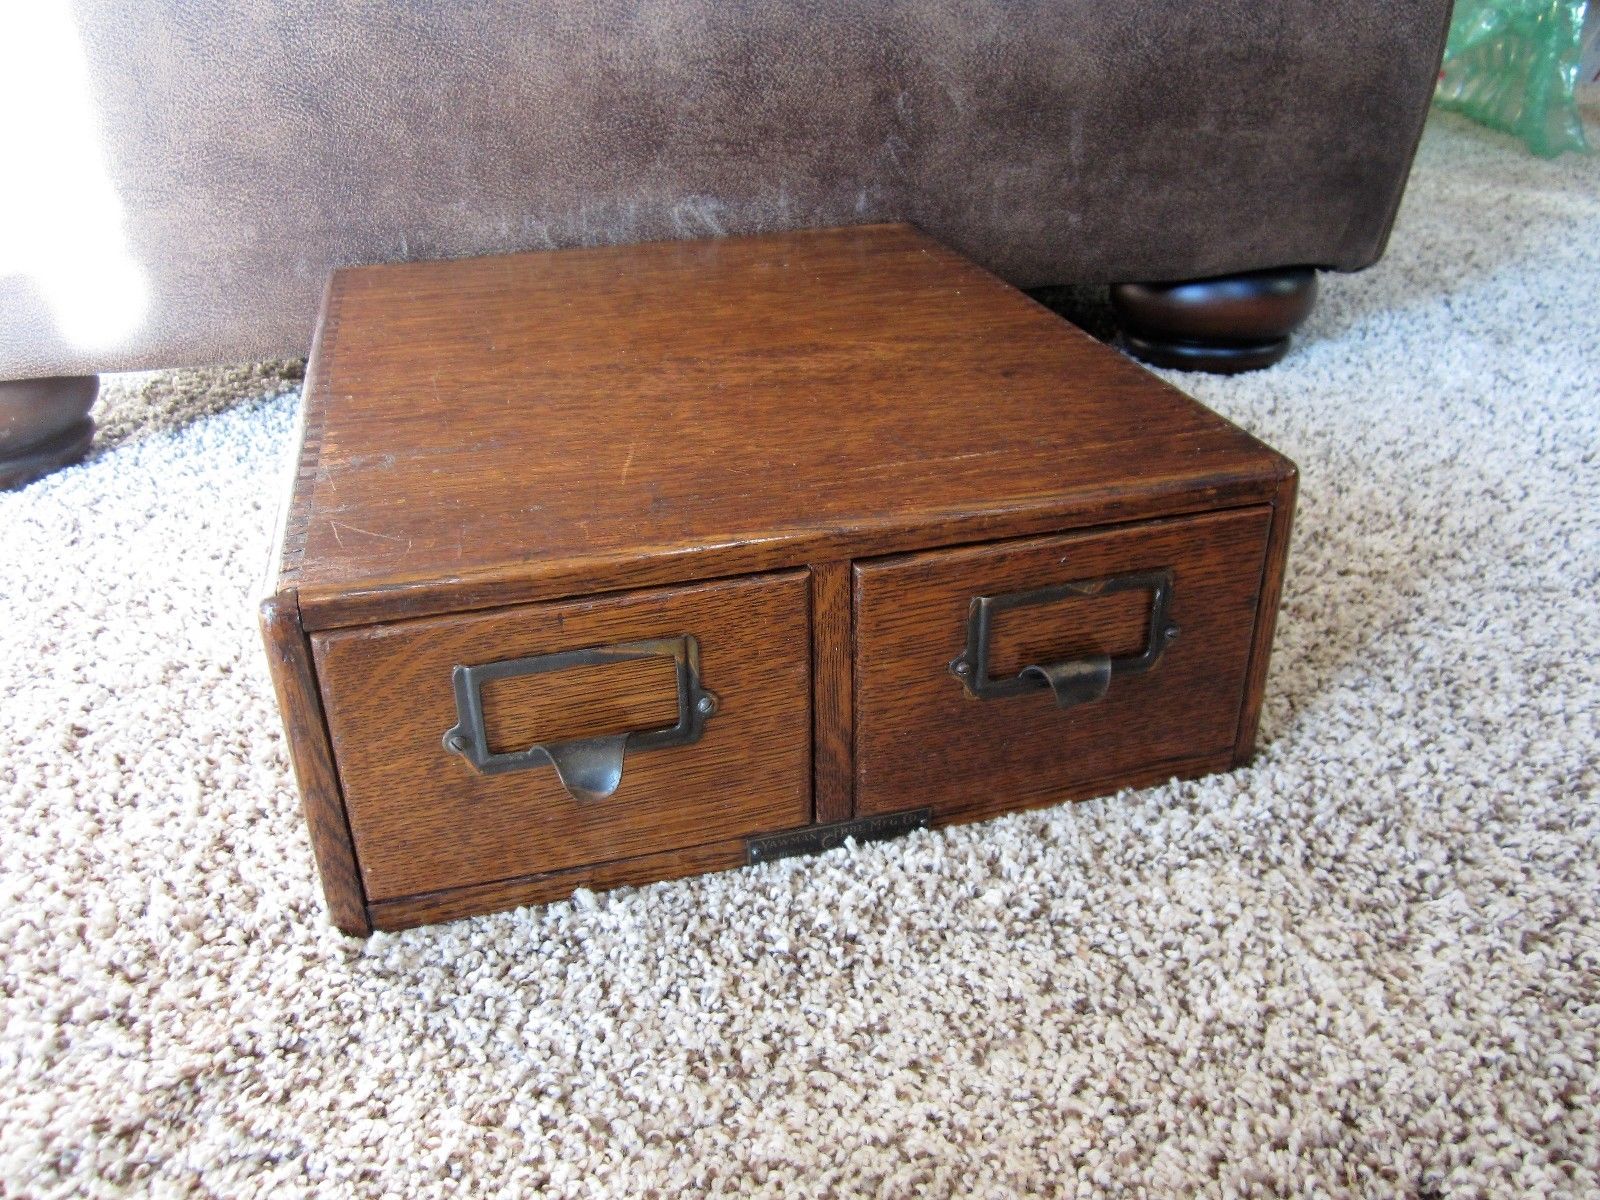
607 566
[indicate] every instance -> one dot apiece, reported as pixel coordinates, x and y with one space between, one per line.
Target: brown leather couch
236 152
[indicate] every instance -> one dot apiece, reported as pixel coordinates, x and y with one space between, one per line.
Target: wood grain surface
833 676
424 820
497 430
311 755
1272 576
921 740
580 702
852 433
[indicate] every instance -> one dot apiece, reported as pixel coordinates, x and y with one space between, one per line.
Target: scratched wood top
495 430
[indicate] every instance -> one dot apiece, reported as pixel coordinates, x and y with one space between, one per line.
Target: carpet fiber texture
1369 965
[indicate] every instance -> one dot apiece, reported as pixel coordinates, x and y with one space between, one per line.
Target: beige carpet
1368 966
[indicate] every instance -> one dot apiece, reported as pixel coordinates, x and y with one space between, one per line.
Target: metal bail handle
589 768
1075 681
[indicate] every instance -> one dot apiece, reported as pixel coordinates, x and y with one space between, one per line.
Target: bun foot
1225 325
44 425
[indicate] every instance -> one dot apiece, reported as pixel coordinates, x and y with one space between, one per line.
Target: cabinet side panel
311 753
1272 575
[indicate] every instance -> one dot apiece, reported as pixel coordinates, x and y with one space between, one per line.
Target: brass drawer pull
589 768
1076 681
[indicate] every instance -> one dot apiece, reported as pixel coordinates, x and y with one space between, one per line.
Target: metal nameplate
814 839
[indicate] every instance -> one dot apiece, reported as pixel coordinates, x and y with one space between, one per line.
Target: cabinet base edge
985 808
407 912
474 900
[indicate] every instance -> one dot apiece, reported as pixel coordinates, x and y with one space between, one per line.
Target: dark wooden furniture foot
44 424
1224 325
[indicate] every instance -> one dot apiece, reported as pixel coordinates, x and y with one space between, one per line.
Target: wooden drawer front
923 740
424 819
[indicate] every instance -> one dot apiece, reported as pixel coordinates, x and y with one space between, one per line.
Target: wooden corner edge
1273 569
311 755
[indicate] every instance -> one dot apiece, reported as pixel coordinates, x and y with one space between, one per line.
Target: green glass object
1513 65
